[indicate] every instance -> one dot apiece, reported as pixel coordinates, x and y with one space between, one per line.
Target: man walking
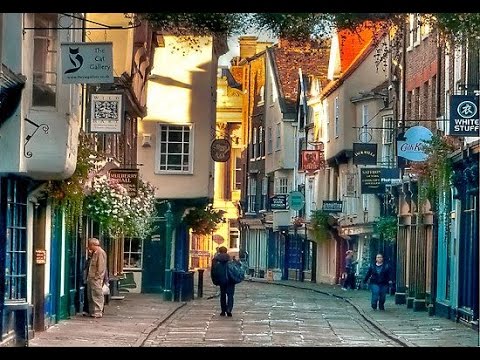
97 269
220 278
380 278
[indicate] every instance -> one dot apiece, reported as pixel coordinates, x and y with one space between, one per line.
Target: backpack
218 273
235 272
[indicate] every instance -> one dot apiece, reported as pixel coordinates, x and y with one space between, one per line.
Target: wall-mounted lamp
147 140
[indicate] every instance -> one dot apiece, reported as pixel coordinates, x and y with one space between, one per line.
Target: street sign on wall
87 63
332 206
279 202
370 180
464 115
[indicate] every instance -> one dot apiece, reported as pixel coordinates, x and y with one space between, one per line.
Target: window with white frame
364 129
281 185
45 47
174 148
234 237
132 253
262 96
252 194
269 140
414 38
278 142
238 173
264 193
387 141
261 143
254 144
336 119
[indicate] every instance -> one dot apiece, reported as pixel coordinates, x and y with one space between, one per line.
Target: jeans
227 291
379 293
350 281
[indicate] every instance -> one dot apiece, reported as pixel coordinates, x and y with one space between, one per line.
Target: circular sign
220 150
296 200
412 147
467 109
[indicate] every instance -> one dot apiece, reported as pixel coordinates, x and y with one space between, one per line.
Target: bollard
200 283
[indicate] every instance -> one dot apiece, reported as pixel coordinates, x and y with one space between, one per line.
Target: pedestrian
379 275
350 267
220 278
96 276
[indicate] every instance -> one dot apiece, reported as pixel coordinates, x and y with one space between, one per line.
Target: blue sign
464 116
87 63
412 147
296 200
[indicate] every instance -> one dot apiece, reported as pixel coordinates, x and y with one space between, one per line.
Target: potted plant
203 221
320 226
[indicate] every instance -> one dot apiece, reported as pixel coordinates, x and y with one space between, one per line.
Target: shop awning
11 86
252 223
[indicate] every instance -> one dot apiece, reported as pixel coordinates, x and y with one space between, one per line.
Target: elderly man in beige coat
96 274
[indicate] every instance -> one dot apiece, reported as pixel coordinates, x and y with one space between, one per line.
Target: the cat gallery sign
87 63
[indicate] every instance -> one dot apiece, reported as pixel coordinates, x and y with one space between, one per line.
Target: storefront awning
11 86
252 223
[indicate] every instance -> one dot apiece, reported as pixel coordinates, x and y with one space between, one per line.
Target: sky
234 48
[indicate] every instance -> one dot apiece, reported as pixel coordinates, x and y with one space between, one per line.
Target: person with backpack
379 275
226 273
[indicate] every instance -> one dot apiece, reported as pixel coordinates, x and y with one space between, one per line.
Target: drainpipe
167 291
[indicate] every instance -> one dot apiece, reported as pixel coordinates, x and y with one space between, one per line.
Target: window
252 194
45 64
387 141
336 119
365 202
409 106
424 110
278 142
413 38
174 148
14 207
433 94
262 96
269 140
417 107
238 173
234 236
281 185
264 193
364 129
254 144
261 144
132 253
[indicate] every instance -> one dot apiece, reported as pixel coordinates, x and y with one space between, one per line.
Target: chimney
248 46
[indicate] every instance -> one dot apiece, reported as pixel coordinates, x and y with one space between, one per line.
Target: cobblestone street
284 313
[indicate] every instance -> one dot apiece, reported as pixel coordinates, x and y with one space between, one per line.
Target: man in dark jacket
220 277
380 278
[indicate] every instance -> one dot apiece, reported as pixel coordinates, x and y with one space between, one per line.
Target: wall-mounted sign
390 176
350 190
106 113
155 238
412 147
370 180
296 200
312 160
464 115
40 257
128 178
87 63
279 202
364 154
220 150
332 206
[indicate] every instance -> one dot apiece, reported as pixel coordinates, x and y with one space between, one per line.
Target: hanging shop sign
412 147
296 200
128 178
464 115
106 113
312 160
279 202
364 154
332 206
87 63
390 176
370 181
220 150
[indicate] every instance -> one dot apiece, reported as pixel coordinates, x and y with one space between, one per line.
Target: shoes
344 289
374 307
222 313
229 314
96 316
381 308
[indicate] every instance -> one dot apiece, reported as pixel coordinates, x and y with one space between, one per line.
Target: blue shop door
53 301
153 272
294 258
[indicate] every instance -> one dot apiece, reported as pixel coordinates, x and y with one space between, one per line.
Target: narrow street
269 316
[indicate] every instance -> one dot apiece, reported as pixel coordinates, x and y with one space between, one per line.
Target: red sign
312 160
